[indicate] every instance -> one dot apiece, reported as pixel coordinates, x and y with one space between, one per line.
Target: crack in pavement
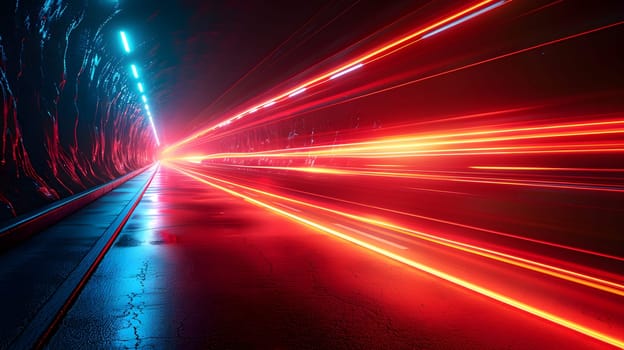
136 305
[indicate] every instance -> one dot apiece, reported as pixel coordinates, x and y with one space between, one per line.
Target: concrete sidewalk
35 274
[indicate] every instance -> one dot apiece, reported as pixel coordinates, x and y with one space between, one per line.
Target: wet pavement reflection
197 268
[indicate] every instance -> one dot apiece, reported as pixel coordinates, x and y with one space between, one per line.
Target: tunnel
323 174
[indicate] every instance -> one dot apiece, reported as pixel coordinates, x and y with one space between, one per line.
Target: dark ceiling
220 53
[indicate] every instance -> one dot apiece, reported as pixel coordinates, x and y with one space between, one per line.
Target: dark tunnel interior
361 170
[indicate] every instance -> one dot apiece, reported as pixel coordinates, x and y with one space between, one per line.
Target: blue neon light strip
135 74
124 41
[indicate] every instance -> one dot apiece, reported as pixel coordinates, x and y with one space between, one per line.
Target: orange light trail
514 152
472 151
509 140
571 276
471 227
489 60
271 102
533 168
614 341
391 46
603 187
415 144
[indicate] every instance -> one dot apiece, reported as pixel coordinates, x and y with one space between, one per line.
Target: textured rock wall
69 118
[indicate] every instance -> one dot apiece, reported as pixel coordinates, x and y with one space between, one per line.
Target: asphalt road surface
198 267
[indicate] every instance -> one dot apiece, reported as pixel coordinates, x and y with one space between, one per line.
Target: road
208 264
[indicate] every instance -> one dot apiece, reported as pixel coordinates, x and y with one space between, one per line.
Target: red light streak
452 178
297 92
532 168
589 281
492 294
348 70
470 227
464 67
357 61
408 145
495 176
505 141
452 144
391 46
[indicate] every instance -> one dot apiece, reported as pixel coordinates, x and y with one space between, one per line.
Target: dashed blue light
135 72
124 40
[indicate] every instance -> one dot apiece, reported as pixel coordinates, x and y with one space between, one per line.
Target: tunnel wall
69 121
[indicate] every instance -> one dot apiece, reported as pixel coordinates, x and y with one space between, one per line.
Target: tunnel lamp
135 72
124 40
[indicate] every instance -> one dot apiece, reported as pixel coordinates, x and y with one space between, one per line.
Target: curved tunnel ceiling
66 78
455 123
206 57
73 117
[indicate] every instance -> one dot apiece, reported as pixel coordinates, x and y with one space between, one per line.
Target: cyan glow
464 19
124 40
135 72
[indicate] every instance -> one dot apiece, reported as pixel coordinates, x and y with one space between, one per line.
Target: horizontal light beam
390 47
